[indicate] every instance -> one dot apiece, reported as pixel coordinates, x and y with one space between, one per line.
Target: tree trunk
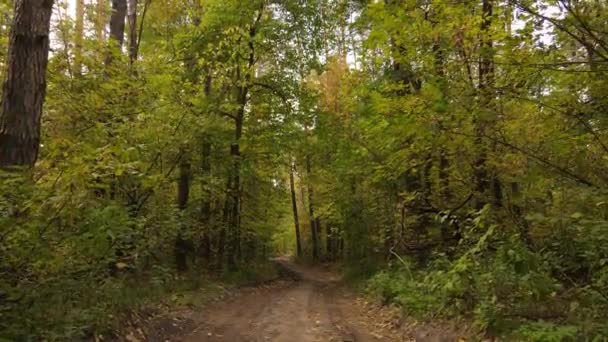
294 205
221 247
133 41
444 176
78 36
242 98
311 212
330 242
205 243
25 86
100 22
117 21
518 214
483 179
183 246
235 190
183 191
117 26
319 235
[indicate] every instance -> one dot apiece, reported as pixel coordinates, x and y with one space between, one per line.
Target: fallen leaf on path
131 338
377 336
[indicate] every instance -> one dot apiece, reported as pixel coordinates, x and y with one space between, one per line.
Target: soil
307 305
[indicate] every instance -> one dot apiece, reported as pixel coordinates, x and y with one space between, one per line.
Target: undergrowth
502 285
75 310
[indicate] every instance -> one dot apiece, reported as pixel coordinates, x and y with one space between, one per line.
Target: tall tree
243 84
294 206
485 178
25 86
78 36
183 245
117 23
133 40
314 234
100 20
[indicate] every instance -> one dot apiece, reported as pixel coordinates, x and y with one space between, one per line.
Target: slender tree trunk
133 41
242 97
205 243
235 191
311 212
221 248
319 229
183 246
78 36
331 242
522 223
25 85
294 205
484 180
444 163
444 176
183 189
101 21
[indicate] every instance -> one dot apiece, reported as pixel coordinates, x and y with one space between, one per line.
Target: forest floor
308 304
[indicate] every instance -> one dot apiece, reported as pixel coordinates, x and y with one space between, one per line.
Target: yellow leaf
121 265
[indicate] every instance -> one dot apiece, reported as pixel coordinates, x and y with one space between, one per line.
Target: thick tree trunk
133 41
117 21
117 26
294 206
25 86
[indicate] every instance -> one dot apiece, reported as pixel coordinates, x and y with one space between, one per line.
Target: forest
449 157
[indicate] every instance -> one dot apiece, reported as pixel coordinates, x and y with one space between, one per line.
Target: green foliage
544 331
461 142
502 285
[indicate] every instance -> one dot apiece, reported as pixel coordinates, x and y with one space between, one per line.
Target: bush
504 286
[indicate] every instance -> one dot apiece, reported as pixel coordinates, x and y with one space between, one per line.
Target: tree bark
78 36
234 189
100 23
330 242
117 21
205 243
133 41
483 178
311 212
294 205
221 248
183 246
117 26
25 86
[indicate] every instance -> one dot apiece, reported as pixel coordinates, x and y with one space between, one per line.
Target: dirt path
311 307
